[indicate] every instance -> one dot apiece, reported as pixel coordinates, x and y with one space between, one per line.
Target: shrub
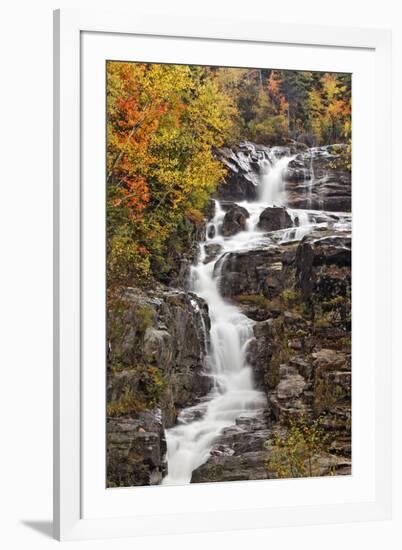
128 404
296 453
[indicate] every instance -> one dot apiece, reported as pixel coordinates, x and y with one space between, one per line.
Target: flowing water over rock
234 395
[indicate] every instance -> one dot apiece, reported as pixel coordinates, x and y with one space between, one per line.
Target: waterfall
272 188
233 393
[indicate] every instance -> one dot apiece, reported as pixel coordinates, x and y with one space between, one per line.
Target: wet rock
239 454
248 466
242 179
212 250
211 231
274 218
252 272
234 221
315 179
222 450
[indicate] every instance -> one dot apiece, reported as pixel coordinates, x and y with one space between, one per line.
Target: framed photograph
219 364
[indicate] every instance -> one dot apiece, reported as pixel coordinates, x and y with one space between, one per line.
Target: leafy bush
296 452
128 404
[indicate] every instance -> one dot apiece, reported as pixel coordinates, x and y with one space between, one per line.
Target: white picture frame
81 509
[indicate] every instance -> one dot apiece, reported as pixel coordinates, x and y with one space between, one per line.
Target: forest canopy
163 125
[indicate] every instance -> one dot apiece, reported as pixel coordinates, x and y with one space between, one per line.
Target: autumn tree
162 123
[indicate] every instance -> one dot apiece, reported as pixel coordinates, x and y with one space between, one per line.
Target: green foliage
127 261
296 451
344 159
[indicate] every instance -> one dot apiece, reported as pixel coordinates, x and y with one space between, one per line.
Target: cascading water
272 189
233 395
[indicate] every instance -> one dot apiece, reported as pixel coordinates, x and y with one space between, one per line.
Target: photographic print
228 240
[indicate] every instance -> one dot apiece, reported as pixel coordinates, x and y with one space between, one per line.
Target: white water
234 394
272 189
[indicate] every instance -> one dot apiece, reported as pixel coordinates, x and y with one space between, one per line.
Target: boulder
211 231
248 466
254 272
239 453
234 221
274 218
242 179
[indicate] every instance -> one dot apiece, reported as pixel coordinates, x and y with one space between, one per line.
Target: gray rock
212 250
234 221
257 271
315 180
274 218
136 450
290 386
248 466
158 344
316 250
239 454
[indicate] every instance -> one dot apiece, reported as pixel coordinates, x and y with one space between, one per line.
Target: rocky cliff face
297 291
314 177
299 294
156 366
